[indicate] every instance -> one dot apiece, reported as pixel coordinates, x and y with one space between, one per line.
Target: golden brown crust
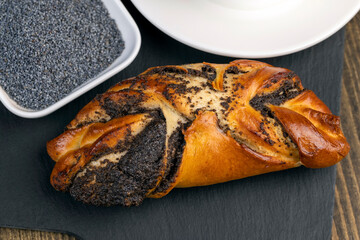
210 156
317 147
239 119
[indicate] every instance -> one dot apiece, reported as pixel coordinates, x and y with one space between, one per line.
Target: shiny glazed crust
223 122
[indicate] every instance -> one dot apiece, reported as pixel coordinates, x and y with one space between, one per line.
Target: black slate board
293 204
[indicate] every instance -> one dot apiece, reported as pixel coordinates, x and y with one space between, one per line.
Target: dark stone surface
293 204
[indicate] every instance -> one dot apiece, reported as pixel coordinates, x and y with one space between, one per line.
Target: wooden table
346 222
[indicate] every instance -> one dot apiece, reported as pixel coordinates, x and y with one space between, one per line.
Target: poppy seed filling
127 177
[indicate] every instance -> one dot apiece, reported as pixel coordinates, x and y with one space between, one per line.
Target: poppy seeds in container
50 47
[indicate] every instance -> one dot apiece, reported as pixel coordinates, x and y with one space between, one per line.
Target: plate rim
252 55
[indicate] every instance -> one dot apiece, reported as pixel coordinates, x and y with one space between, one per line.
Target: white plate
249 28
131 36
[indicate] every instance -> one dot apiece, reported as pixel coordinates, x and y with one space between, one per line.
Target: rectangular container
131 36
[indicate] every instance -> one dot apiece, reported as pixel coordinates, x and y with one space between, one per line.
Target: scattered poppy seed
50 47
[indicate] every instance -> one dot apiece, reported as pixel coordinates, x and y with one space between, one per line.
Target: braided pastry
192 125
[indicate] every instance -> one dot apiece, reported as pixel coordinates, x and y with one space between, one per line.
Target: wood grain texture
346 222
15 234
